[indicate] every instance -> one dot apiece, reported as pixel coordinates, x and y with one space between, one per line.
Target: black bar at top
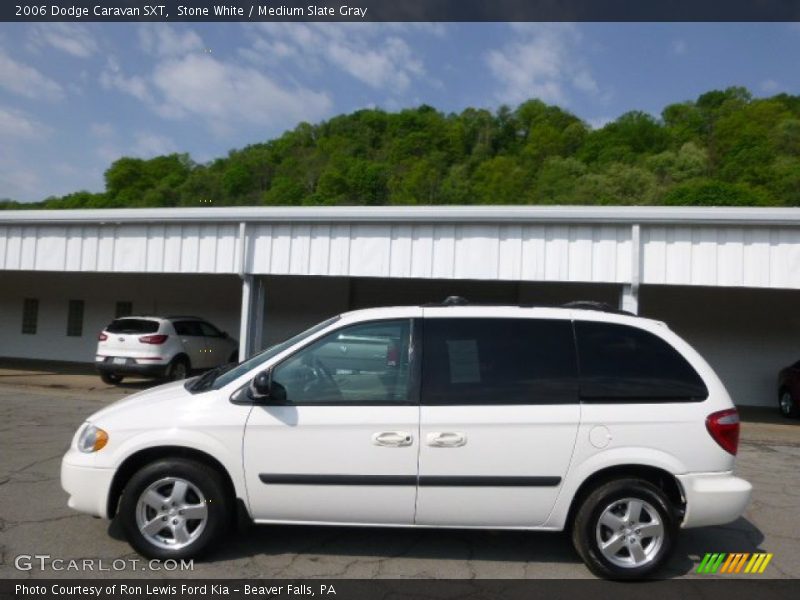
405 10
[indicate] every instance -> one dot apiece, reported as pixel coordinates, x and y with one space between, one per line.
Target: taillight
724 428
102 337
153 339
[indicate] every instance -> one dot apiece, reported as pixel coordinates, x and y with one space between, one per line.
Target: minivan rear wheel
625 529
174 508
178 369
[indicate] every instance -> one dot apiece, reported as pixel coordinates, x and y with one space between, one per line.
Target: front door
339 441
498 420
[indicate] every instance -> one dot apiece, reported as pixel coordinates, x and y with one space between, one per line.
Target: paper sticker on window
464 361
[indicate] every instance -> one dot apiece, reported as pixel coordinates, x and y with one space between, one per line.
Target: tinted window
75 318
30 315
209 330
498 361
360 364
625 363
123 309
189 328
132 326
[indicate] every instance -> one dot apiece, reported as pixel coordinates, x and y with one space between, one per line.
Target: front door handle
392 439
446 439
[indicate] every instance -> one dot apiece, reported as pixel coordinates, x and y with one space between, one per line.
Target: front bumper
87 487
714 498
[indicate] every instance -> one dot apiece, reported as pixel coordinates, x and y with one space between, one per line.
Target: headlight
92 439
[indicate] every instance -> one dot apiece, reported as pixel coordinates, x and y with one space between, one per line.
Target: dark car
789 390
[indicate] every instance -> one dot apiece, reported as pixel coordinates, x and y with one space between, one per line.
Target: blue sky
74 97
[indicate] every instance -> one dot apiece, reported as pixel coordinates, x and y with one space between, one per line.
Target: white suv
606 425
170 347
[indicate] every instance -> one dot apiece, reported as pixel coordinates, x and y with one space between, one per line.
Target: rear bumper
142 370
714 498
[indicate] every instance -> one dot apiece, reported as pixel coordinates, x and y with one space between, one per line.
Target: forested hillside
725 148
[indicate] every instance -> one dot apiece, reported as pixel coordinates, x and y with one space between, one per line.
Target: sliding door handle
446 439
392 439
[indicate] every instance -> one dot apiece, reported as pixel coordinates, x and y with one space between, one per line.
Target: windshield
259 359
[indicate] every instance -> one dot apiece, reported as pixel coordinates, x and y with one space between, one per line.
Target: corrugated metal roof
748 247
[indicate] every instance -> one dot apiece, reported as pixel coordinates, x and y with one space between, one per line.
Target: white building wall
746 335
215 298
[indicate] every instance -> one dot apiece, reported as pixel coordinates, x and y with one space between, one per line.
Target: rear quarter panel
670 436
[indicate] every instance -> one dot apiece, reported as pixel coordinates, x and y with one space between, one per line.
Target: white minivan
603 424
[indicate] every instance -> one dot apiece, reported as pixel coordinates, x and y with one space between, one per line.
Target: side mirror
261 386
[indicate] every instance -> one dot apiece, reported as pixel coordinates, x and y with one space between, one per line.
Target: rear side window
619 363
498 361
132 326
188 328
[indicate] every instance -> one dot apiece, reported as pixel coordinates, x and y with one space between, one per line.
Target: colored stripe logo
735 562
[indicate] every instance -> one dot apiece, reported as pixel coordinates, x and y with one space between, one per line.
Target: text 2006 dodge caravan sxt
606 425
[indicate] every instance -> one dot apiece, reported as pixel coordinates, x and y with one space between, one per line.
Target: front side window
622 363
360 364
496 361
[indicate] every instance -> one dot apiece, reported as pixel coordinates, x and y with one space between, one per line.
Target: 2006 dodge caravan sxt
606 425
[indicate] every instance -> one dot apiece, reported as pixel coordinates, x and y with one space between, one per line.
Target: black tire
111 378
787 404
206 479
585 529
178 369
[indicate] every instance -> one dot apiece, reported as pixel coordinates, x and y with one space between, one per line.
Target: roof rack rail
595 305
455 301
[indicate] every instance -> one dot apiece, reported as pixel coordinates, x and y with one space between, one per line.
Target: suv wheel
178 369
787 404
625 529
174 508
111 378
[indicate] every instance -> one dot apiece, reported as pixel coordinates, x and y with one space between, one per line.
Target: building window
30 315
75 318
124 309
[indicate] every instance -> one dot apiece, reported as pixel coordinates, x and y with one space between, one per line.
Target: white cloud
541 62
599 122
152 144
72 38
225 94
375 54
112 78
101 130
27 81
16 124
770 86
162 40
679 47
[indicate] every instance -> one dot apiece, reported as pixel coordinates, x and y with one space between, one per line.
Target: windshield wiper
206 380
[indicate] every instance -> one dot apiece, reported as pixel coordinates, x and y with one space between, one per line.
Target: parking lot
39 413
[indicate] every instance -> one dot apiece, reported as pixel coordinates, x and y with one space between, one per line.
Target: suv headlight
92 439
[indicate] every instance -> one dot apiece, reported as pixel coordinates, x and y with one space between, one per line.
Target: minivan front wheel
174 508
625 529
